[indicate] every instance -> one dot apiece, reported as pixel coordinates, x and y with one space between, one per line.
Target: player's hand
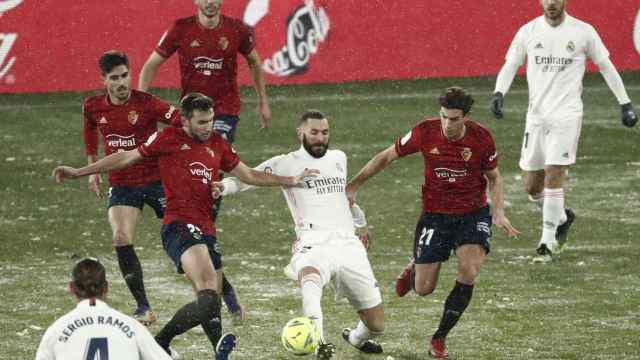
217 187
352 193
364 236
264 112
629 116
94 184
299 180
62 172
497 100
501 222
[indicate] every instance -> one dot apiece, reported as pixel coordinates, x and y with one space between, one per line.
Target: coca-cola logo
7 40
307 27
6 5
200 170
636 32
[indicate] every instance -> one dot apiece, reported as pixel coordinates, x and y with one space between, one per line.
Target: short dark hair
89 278
311 114
194 101
111 59
456 97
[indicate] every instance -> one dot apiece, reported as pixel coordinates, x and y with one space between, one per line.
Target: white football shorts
342 260
550 143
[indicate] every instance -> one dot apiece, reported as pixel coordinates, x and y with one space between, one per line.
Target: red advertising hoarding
48 45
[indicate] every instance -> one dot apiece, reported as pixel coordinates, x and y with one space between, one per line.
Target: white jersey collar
86 303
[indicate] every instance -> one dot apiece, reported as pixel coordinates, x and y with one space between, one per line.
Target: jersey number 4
97 349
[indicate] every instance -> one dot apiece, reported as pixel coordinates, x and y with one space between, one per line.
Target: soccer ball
300 336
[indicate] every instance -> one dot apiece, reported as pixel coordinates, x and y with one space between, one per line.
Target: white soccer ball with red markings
300 336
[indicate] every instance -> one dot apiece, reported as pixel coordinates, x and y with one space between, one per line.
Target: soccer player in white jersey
556 46
326 246
93 330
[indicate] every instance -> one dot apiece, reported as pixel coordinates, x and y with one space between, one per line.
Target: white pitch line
332 98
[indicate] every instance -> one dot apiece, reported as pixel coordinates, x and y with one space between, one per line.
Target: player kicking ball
326 248
190 158
459 157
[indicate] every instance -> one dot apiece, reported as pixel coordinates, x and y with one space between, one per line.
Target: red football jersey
208 58
125 127
453 170
187 168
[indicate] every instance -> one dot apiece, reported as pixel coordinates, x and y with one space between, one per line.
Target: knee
467 274
121 238
425 288
205 282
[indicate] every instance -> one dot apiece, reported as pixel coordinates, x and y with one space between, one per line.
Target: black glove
496 104
629 117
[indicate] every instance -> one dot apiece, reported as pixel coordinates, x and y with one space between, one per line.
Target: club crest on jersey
571 47
133 117
195 44
466 154
223 43
339 167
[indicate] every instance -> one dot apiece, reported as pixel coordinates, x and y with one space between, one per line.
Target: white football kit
324 224
556 61
98 332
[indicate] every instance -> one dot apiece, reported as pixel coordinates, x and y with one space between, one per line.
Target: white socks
553 215
311 288
360 334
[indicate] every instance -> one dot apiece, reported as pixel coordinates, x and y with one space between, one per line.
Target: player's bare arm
374 166
496 188
260 178
149 70
112 162
255 67
94 180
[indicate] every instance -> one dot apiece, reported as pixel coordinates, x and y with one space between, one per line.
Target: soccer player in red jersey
208 45
125 118
459 157
190 158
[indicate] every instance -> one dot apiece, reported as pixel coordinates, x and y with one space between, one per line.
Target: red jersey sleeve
157 144
247 39
490 156
164 112
89 131
169 42
230 158
410 143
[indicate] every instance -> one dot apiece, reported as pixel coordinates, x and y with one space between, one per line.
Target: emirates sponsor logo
449 175
116 141
206 65
200 171
307 27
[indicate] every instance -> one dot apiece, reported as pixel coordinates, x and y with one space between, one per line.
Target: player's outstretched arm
374 166
109 163
496 188
260 178
149 70
255 68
